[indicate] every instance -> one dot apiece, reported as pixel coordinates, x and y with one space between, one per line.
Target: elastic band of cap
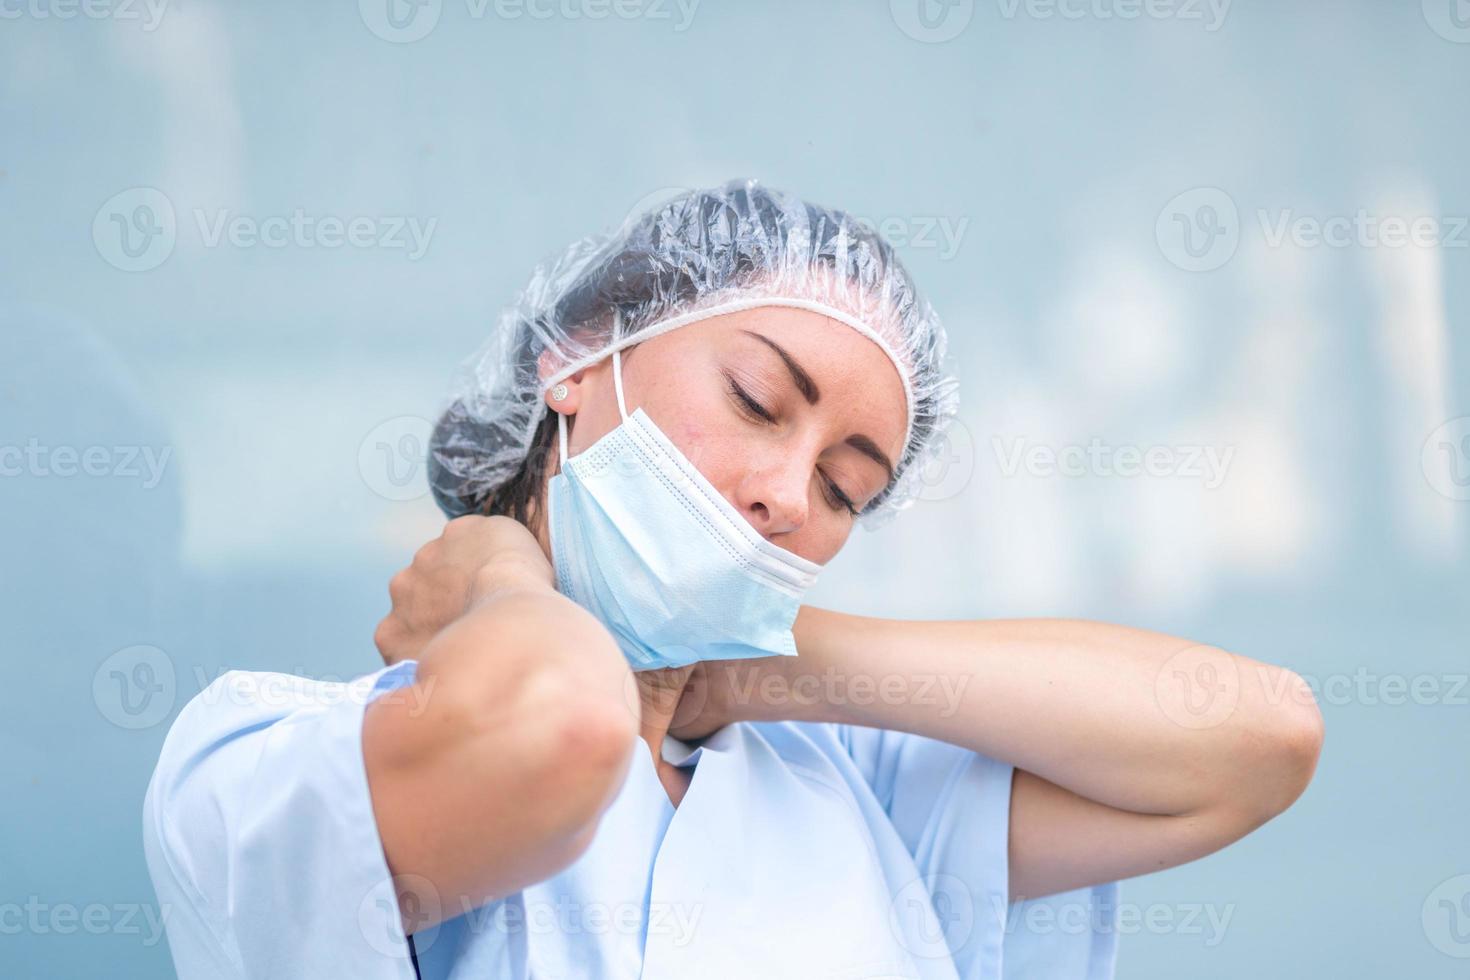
737 306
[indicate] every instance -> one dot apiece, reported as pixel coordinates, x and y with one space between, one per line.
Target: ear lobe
546 365
567 405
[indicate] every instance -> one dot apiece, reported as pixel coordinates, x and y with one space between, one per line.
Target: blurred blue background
245 245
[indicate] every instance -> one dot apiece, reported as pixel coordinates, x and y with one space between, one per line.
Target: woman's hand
473 557
1119 770
1116 773
661 698
519 695
717 693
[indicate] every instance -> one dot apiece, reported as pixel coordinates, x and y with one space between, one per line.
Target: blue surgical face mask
645 543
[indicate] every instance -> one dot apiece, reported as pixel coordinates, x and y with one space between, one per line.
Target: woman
668 436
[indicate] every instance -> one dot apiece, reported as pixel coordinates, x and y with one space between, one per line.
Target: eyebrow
803 381
870 449
812 394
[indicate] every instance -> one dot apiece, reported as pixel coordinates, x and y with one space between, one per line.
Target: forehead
859 382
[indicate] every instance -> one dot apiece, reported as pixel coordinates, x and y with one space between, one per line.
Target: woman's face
795 418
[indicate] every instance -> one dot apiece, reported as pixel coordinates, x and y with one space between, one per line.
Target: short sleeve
260 836
951 807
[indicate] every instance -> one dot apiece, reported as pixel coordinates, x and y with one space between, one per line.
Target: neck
659 692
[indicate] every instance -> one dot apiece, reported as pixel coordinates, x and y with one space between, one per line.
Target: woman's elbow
596 746
594 738
1303 731
586 738
1286 746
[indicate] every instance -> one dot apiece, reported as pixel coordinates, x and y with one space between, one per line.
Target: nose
774 499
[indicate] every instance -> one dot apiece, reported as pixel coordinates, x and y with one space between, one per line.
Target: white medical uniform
800 850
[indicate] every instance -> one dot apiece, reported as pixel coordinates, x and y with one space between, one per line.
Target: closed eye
834 495
749 404
836 498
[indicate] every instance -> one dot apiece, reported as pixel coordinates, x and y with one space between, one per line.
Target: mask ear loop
561 437
617 360
618 383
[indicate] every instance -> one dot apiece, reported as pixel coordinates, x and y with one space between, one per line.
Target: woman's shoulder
248 700
260 791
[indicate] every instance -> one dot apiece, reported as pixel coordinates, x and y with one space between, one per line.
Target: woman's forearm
1132 719
493 771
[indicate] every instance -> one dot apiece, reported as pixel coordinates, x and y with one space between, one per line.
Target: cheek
713 445
820 541
719 444
700 421
697 419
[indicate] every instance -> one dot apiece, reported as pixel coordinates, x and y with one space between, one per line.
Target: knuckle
386 633
427 554
398 585
461 526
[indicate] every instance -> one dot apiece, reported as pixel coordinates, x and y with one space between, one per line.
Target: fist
716 693
471 558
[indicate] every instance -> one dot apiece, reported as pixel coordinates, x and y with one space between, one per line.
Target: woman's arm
1134 751
491 771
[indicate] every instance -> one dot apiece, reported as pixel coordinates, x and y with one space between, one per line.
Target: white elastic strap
617 347
617 360
736 306
561 436
618 382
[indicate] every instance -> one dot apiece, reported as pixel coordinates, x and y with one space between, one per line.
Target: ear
546 365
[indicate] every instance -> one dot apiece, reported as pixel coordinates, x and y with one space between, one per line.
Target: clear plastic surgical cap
701 254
